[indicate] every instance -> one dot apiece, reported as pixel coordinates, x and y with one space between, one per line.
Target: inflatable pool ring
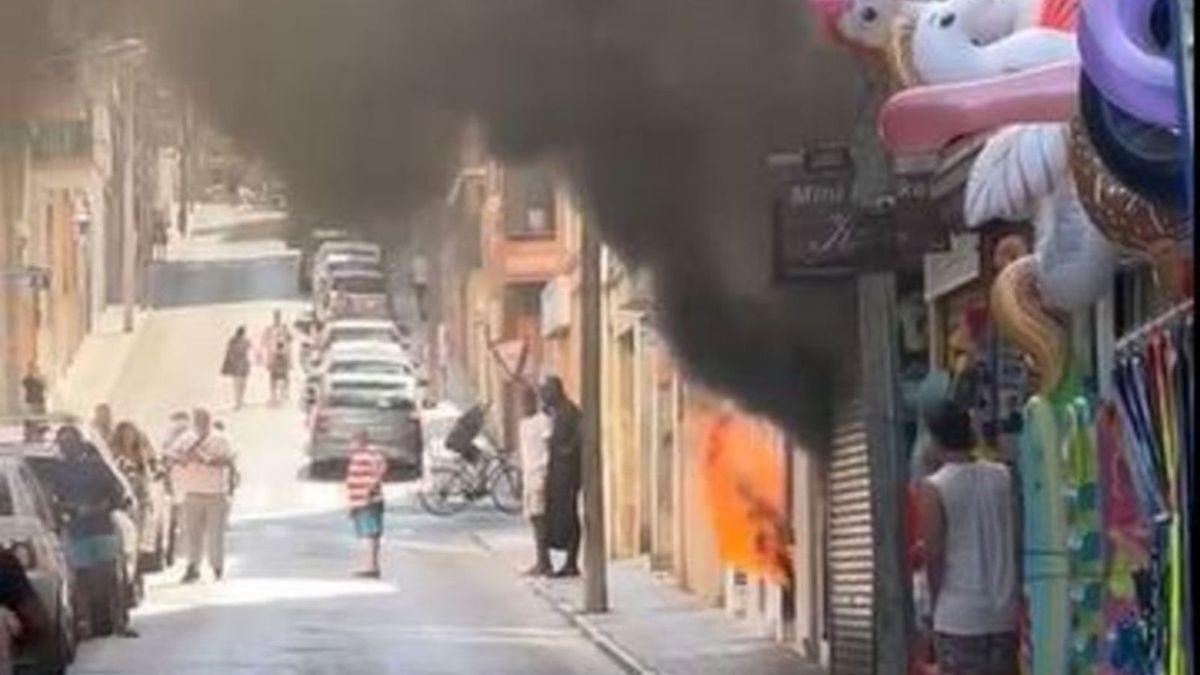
1147 158
1125 47
1022 317
1127 218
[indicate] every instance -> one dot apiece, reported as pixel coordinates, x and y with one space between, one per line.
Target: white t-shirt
979 586
532 434
193 473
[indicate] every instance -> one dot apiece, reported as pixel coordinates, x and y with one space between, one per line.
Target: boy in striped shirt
365 469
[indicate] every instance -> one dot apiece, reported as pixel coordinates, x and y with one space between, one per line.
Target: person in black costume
564 476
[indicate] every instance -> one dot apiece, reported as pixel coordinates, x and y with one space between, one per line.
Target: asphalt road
288 603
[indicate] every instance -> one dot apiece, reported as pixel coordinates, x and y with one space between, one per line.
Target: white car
340 264
355 294
362 330
363 249
361 362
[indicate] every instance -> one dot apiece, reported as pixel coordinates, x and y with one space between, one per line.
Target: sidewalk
652 626
98 363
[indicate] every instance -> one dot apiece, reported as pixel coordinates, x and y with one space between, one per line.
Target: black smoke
661 111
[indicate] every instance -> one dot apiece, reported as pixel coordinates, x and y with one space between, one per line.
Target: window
528 204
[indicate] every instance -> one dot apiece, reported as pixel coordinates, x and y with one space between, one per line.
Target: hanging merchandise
1153 375
1124 497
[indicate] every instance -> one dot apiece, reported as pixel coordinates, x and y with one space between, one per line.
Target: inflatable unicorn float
1081 116
1082 132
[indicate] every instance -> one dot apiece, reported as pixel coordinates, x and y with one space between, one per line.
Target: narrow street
288 603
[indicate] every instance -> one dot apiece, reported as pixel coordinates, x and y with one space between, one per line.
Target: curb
621 656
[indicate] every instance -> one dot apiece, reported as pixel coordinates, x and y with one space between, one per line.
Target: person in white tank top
967 523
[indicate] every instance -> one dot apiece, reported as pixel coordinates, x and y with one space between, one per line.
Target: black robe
564 477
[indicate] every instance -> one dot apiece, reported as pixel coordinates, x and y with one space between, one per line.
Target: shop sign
816 229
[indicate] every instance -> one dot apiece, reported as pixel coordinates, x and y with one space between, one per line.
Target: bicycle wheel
444 492
505 485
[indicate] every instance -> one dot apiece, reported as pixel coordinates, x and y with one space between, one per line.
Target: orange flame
743 485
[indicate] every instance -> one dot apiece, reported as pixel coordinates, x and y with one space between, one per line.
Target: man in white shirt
202 464
970 541
532 433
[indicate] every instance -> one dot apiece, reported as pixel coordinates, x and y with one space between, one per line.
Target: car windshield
367 397
370 367
362 333
362 285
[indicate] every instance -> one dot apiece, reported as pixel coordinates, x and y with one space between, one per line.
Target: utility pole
185 141
129 239
595 563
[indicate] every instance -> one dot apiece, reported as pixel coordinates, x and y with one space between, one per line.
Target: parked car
380 348
44 459
380 404
356 294
29 530
346 246
342 263
356 362
308 251
362 330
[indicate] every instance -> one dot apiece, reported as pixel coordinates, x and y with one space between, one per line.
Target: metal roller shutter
850 564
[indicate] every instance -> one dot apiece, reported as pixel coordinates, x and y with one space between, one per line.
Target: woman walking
134 457
237 365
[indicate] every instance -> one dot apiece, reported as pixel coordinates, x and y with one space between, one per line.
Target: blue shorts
368 520
92 551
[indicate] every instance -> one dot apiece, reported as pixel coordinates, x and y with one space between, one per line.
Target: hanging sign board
819 229
816 228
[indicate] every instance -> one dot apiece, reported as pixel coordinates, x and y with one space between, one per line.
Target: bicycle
450 489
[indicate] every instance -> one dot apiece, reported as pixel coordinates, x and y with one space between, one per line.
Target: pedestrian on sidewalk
365 469
161 226
419 277
966 513
236 365
90 492
135 459
564 475
203 462
276 348
533 433
34 385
